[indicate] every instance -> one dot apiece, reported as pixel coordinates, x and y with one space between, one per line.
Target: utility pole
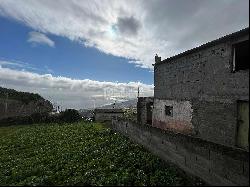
6 104
138 92
94 103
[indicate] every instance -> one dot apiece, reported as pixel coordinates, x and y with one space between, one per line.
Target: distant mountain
126 104
122 105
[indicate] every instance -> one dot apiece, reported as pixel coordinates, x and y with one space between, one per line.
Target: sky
86 53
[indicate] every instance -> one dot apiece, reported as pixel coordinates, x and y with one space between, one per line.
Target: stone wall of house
203 91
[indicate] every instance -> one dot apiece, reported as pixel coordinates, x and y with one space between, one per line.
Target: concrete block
199 164
214 166
168 145
237 179
217 180
197 149
223 165
203 162
246 168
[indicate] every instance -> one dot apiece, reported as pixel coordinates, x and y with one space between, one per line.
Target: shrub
23 120
70 115
17 120
39 117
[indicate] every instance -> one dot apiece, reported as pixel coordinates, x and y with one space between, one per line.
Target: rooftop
208 44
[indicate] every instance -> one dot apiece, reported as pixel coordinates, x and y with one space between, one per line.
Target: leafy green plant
78 154
70 115
130 114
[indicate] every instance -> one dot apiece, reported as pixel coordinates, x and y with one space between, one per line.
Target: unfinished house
204 92
200 115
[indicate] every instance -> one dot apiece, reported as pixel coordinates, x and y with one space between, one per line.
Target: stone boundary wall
215 164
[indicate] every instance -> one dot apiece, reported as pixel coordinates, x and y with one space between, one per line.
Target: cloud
40 38
17 64
23 66
128 25
144 28
8 63
72 93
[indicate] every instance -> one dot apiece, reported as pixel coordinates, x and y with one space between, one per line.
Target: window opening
169 110
241 56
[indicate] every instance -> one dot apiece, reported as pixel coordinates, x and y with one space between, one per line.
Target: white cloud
18 65
8 63
24 66
72 93
135 29
40 38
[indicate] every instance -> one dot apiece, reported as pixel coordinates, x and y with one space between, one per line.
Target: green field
78 154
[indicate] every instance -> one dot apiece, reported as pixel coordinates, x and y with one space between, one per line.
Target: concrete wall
142 109
203 79
101 117
180 121
11 108
215 164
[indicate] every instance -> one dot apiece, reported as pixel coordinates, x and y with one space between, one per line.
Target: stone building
102 115
204 92
200 114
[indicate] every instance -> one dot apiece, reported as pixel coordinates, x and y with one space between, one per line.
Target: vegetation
78 154
130 114
24 97
68 116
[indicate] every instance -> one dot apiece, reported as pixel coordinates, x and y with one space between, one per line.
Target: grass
78 154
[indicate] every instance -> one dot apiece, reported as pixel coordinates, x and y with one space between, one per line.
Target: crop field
78 154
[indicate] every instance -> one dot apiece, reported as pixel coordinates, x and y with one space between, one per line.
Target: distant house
102 115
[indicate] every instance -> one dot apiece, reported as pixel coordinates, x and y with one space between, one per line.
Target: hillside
15 103
24 97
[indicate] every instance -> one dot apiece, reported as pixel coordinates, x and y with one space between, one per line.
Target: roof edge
208 44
